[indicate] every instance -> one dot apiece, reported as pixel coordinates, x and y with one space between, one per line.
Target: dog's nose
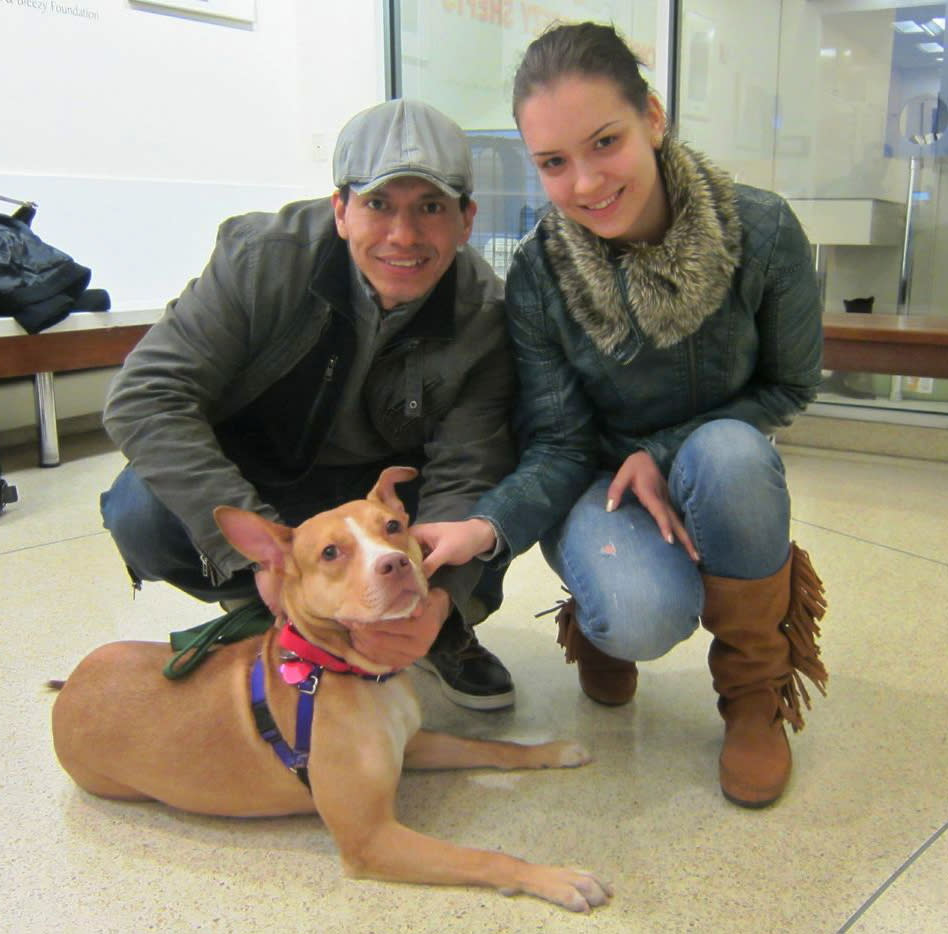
392 563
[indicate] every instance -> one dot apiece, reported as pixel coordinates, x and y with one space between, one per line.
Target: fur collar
671 287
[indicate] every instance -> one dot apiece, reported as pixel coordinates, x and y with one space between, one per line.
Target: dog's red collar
305 651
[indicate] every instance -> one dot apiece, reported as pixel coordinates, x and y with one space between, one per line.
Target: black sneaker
473 678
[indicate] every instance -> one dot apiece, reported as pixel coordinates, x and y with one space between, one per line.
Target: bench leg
45 398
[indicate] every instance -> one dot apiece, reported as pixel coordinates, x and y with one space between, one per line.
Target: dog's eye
393 526
330 553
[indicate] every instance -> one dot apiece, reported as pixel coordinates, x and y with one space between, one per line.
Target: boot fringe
564 620
807 606
565 614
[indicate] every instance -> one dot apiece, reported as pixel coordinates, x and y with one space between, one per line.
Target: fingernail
610 505
670 538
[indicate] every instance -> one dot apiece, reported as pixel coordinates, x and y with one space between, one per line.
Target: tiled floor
858 843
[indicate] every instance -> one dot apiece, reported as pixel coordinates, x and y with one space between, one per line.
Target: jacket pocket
409 417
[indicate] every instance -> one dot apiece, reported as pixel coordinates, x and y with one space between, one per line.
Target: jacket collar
669 288
435 319
330 280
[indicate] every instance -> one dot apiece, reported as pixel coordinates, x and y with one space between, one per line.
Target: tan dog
122 730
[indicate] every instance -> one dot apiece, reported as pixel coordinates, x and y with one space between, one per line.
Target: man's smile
403 263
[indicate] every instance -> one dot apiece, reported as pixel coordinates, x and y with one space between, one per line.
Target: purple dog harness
302 666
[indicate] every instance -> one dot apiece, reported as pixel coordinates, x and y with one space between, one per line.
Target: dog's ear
268 543
384 490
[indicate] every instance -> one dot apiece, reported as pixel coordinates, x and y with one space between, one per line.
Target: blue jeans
155 545
636 595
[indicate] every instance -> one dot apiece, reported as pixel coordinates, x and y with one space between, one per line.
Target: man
320 344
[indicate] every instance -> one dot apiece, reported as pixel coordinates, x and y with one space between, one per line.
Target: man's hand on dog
401 642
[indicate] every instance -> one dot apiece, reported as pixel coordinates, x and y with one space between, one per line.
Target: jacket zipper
329 374
209 571
692 376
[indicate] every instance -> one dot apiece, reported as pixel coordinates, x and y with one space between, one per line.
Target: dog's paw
573 889
571 754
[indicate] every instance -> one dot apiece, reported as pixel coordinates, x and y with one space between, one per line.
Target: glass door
839 105
882 110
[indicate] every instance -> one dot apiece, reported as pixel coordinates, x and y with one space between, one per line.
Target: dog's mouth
404 606
408 606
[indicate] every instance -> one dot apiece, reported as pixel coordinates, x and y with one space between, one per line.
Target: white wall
138 132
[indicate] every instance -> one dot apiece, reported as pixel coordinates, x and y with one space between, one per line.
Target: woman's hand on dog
398 643
453 542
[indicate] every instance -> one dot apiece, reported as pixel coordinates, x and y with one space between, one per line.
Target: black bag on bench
8 493
40 285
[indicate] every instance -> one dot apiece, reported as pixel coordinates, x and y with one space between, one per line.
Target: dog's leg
81 717
355 795
84 777
397 854
430 750
102 786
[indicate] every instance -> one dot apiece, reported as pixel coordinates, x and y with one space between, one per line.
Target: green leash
191 646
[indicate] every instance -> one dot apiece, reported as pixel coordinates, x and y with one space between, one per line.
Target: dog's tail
55 685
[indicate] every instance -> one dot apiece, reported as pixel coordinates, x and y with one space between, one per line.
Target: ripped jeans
636 595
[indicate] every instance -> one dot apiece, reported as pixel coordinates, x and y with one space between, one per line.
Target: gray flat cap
399 138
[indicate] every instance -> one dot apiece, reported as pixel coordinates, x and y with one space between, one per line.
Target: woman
665 322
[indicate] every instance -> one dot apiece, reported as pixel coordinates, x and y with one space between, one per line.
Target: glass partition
839 106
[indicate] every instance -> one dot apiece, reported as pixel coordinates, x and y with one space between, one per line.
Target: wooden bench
85 340
906 345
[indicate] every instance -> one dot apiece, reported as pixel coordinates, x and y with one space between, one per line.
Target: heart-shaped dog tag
295 672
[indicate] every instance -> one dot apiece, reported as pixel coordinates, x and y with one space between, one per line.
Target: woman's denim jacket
755 358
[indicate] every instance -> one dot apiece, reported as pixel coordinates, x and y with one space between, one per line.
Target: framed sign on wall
238 11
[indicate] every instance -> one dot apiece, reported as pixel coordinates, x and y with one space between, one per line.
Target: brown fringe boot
765 635
604 679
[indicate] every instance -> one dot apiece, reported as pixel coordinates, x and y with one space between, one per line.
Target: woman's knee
637 597
728 482
730 454
641 625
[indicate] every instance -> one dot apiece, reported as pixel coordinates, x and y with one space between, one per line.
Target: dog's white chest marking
398 709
